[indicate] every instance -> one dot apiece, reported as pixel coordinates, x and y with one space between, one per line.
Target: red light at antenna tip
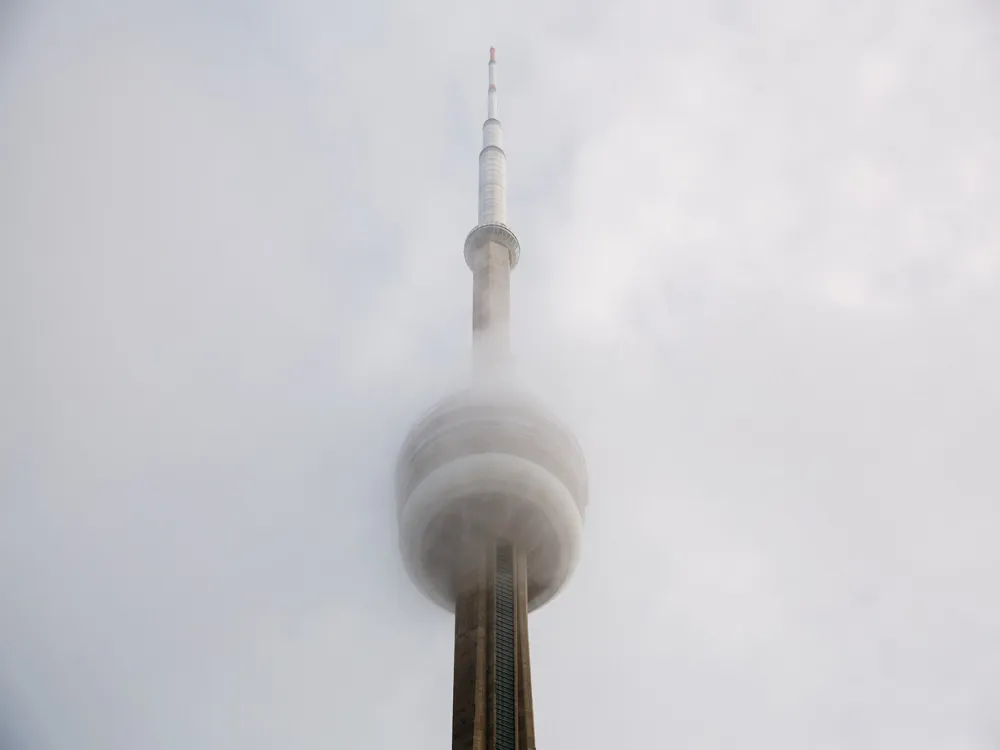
493 54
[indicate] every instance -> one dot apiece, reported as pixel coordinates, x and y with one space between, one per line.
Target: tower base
492 689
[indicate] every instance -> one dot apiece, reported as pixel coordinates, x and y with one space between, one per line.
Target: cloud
759 277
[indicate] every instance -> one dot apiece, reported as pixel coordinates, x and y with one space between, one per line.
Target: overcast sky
760 277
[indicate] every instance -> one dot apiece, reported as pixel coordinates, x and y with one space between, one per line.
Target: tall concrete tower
491 491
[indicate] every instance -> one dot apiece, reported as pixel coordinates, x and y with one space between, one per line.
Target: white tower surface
489 463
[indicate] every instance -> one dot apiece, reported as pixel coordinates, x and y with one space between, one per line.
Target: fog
758 277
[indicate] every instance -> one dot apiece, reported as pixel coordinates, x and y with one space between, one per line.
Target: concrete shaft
490 306
492 704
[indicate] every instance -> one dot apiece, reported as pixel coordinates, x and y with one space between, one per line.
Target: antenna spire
493 110
492 160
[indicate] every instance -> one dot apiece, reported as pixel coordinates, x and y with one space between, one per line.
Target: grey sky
760 273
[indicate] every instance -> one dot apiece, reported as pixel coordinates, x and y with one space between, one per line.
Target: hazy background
761 245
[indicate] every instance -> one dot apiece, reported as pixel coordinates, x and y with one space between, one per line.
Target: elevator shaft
492 687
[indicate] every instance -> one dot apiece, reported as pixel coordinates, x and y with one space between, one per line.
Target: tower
491 490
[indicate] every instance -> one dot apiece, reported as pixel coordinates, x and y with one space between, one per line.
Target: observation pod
486 465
